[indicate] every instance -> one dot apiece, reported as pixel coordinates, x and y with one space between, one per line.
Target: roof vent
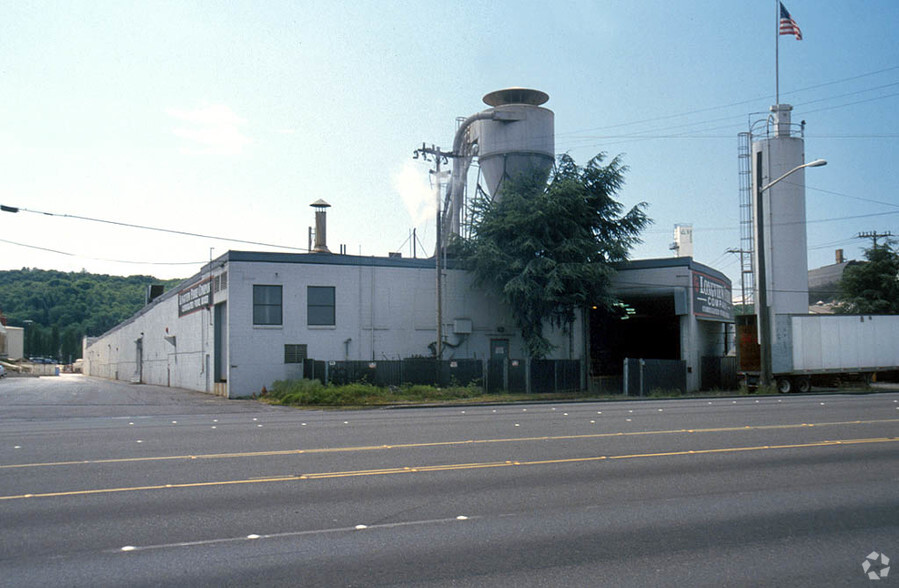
321 232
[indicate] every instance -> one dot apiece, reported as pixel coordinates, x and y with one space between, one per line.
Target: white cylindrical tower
783 205
517 136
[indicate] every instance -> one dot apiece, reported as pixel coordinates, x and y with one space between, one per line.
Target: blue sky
230 118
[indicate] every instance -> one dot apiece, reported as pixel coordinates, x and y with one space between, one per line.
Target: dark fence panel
518 376
543 376
314 370
568 375
719 373
643 376
607 385
633 377
665 375
420 371
495 375
347 372
461 372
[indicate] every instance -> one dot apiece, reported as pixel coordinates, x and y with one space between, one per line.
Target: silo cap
516 96
320 204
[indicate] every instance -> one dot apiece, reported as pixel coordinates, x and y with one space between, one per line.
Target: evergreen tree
547 248
872 287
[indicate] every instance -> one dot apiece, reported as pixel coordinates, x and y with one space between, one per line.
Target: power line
740 103
99 258
848 94
850 196
16 209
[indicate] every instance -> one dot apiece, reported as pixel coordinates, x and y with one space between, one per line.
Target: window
221 282
266 305
294 353
320 305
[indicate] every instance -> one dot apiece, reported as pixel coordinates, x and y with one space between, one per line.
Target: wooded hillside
64 307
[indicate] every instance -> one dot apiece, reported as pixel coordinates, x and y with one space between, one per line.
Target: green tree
547 249
59 308
872 287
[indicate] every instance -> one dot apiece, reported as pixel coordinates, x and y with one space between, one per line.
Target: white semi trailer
814 345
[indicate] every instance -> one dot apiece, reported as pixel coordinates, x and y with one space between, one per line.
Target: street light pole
25 332
764 318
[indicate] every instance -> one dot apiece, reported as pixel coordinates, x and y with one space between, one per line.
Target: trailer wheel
803 385
784 385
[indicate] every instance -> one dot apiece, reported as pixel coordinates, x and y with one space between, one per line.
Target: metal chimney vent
321 232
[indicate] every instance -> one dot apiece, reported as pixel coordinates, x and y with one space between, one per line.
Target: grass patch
314 393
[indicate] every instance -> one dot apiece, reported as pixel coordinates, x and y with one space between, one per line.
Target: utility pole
764 316
764 319
874 236
439 157
742 252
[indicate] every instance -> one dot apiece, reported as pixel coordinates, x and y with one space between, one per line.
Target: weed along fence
495 375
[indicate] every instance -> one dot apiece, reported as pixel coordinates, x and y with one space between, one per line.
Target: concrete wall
382 312
156 346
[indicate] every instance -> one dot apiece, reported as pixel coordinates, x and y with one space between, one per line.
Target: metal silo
518 137
514 136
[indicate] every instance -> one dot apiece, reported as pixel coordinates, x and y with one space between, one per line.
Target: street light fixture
764 318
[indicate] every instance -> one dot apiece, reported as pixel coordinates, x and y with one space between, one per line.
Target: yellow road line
440 444
450 467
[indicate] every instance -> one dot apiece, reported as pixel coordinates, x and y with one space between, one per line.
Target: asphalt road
111 484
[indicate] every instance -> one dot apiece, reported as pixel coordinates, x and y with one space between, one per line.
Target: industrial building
251 318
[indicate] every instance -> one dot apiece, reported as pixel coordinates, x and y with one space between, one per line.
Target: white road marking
289 534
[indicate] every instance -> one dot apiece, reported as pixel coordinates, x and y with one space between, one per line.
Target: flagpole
777 52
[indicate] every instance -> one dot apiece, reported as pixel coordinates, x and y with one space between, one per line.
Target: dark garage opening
644 327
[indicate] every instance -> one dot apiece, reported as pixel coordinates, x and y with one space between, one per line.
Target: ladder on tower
747 240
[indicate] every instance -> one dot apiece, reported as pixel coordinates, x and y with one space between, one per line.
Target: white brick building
250 318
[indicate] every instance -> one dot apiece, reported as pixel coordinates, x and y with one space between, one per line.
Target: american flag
788 26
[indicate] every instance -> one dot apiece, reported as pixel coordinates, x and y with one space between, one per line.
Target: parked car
43 360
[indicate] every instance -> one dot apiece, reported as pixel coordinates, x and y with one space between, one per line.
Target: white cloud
411 183
215 130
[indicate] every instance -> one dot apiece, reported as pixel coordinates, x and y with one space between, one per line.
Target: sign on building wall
194 298
711 298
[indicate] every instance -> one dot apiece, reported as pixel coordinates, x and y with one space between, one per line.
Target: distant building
824 284
12 342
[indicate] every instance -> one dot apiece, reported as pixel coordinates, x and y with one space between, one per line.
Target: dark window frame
321 306
295 352
262 306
